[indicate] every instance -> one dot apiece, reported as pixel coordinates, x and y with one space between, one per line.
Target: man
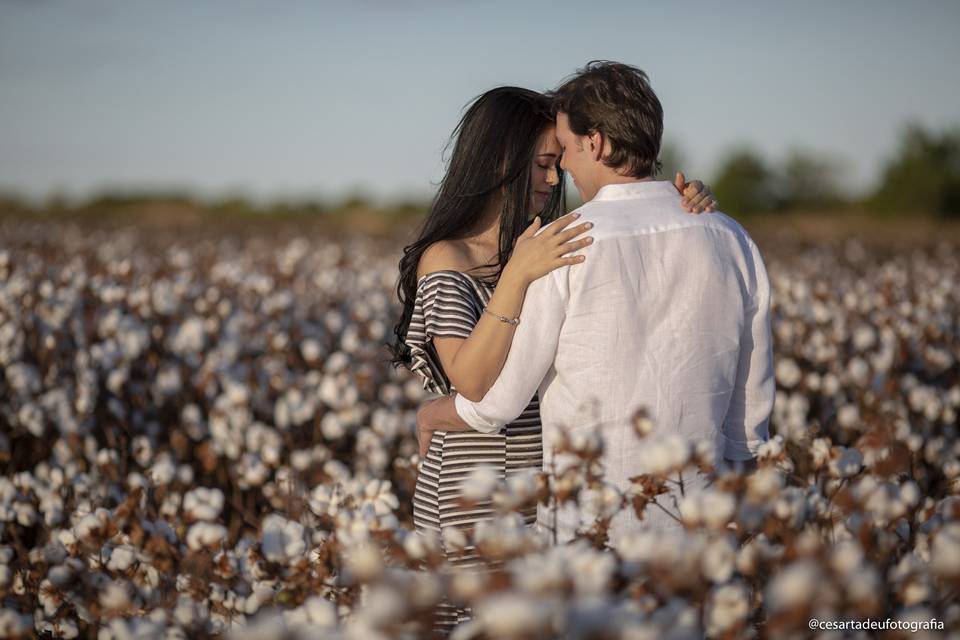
669 312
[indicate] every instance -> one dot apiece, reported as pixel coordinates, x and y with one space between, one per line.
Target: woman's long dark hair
493 152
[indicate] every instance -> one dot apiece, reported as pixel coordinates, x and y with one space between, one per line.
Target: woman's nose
553 179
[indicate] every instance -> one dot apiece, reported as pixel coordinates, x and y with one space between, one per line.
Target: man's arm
746 425
530 358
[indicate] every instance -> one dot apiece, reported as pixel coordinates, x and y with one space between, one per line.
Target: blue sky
301 99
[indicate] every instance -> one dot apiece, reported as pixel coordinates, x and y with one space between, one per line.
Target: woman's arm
473 364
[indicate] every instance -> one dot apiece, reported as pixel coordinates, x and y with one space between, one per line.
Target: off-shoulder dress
448 304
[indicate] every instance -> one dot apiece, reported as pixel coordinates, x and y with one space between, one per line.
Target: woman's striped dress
448 304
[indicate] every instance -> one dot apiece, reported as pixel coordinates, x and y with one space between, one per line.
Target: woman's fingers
567 234
531 228
700 199
679 181
573 245
693 190
560 223
571 260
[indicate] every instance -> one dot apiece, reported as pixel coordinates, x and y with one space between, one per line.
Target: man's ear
597 143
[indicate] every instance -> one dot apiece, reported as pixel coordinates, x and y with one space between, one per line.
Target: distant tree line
921 177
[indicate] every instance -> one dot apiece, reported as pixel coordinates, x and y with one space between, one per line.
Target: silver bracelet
501 318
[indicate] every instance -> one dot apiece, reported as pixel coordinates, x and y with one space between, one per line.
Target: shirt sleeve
747 421
530 358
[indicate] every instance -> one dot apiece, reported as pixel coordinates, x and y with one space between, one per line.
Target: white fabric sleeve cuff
467 411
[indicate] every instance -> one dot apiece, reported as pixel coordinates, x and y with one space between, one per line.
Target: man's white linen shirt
669 312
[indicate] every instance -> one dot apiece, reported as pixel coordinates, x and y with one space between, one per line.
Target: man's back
669 312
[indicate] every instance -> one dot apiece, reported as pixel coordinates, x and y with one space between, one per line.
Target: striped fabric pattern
449 304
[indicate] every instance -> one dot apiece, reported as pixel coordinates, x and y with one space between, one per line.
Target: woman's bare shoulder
444 255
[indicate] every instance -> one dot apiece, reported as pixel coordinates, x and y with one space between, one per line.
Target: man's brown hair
616 101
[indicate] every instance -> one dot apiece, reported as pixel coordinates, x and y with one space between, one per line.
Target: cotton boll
121 558
848 416
862 585
365 562
909 494
665 455
337 471
945 551
310 350
142 450
116 596
13 624
771 449
542 573
30 416
788 374
282 540
468 585
718 559
794 587
203 503
301 460
332 427
163 471
830 385
642 424
92 526
600 502
205 535
453 538
188 612
859 372
171 505
185 474
791 507
253 472
383 606
847 464
727 607
337 362
514 615
326 500
420 544
378 494
314 612
26 514
864 338
479 483
189 337
765 483
262 593
501 536
591 571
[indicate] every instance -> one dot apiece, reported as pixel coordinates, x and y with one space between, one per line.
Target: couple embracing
528 327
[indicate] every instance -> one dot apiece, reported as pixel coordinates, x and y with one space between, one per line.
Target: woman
462 284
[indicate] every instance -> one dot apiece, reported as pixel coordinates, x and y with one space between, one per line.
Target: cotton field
201 437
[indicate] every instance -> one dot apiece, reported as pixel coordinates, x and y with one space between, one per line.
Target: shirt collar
632 190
